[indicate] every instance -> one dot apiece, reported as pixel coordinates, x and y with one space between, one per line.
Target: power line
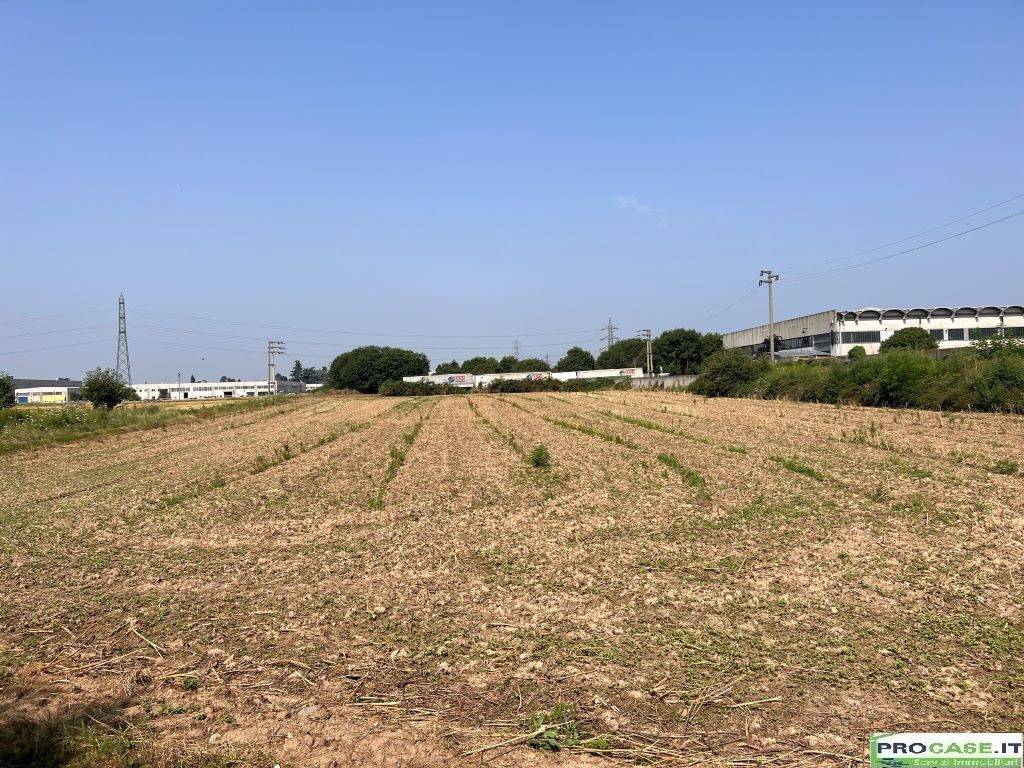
57 346
55 330
346 343
905 239
867 262
260 324
725 304
52 317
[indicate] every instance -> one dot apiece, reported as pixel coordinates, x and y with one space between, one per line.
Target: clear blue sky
488 168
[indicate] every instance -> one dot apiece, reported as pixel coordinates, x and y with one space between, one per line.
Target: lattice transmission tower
123 369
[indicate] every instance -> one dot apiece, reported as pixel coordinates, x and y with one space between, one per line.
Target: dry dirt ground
388 582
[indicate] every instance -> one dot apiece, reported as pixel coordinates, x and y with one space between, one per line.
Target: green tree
6 390
296 371
364 369
909 338
528 364
104 389
576 359
507 364
628 353
684 350
856 353
478 365
451 367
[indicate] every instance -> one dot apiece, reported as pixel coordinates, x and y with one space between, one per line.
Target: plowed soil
380 582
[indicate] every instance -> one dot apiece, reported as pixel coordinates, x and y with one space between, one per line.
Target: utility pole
611 334
123 368
515 349
645 334
273 348
769 277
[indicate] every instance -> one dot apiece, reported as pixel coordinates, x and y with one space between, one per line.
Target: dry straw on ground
689 582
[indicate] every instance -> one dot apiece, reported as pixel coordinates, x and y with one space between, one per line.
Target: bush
511 386
899 379
6 390
592 385
729 374
856 353
419 389
104 389
540 457
909 338
364 369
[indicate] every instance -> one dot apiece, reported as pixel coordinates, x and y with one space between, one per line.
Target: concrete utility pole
123 368
273 348
515 349
645 334
769 277
611 334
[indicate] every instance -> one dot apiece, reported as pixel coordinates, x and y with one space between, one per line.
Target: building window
1014 333
862 337
936 333
984 333
956 334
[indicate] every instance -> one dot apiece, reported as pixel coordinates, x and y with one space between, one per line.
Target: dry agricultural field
382 582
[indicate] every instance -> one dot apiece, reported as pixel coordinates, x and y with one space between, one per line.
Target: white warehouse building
202 390
835 332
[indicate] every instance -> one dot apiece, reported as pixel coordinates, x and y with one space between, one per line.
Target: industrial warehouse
834 333
206 390
469 380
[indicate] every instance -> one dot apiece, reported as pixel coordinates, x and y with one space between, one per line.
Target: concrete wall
667 382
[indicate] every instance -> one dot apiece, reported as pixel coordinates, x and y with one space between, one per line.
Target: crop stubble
762 611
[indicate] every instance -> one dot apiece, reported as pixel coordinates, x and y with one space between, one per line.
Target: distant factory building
27 395
60 382
205 390
835 332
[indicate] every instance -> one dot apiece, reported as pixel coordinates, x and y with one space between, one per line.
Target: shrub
539 457
511 386
901 379
364 369
729 374
592 385
104 389
856 353
909 338
1006 467
418 389
6 390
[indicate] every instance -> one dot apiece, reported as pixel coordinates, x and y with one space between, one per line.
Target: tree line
677 351
364 369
